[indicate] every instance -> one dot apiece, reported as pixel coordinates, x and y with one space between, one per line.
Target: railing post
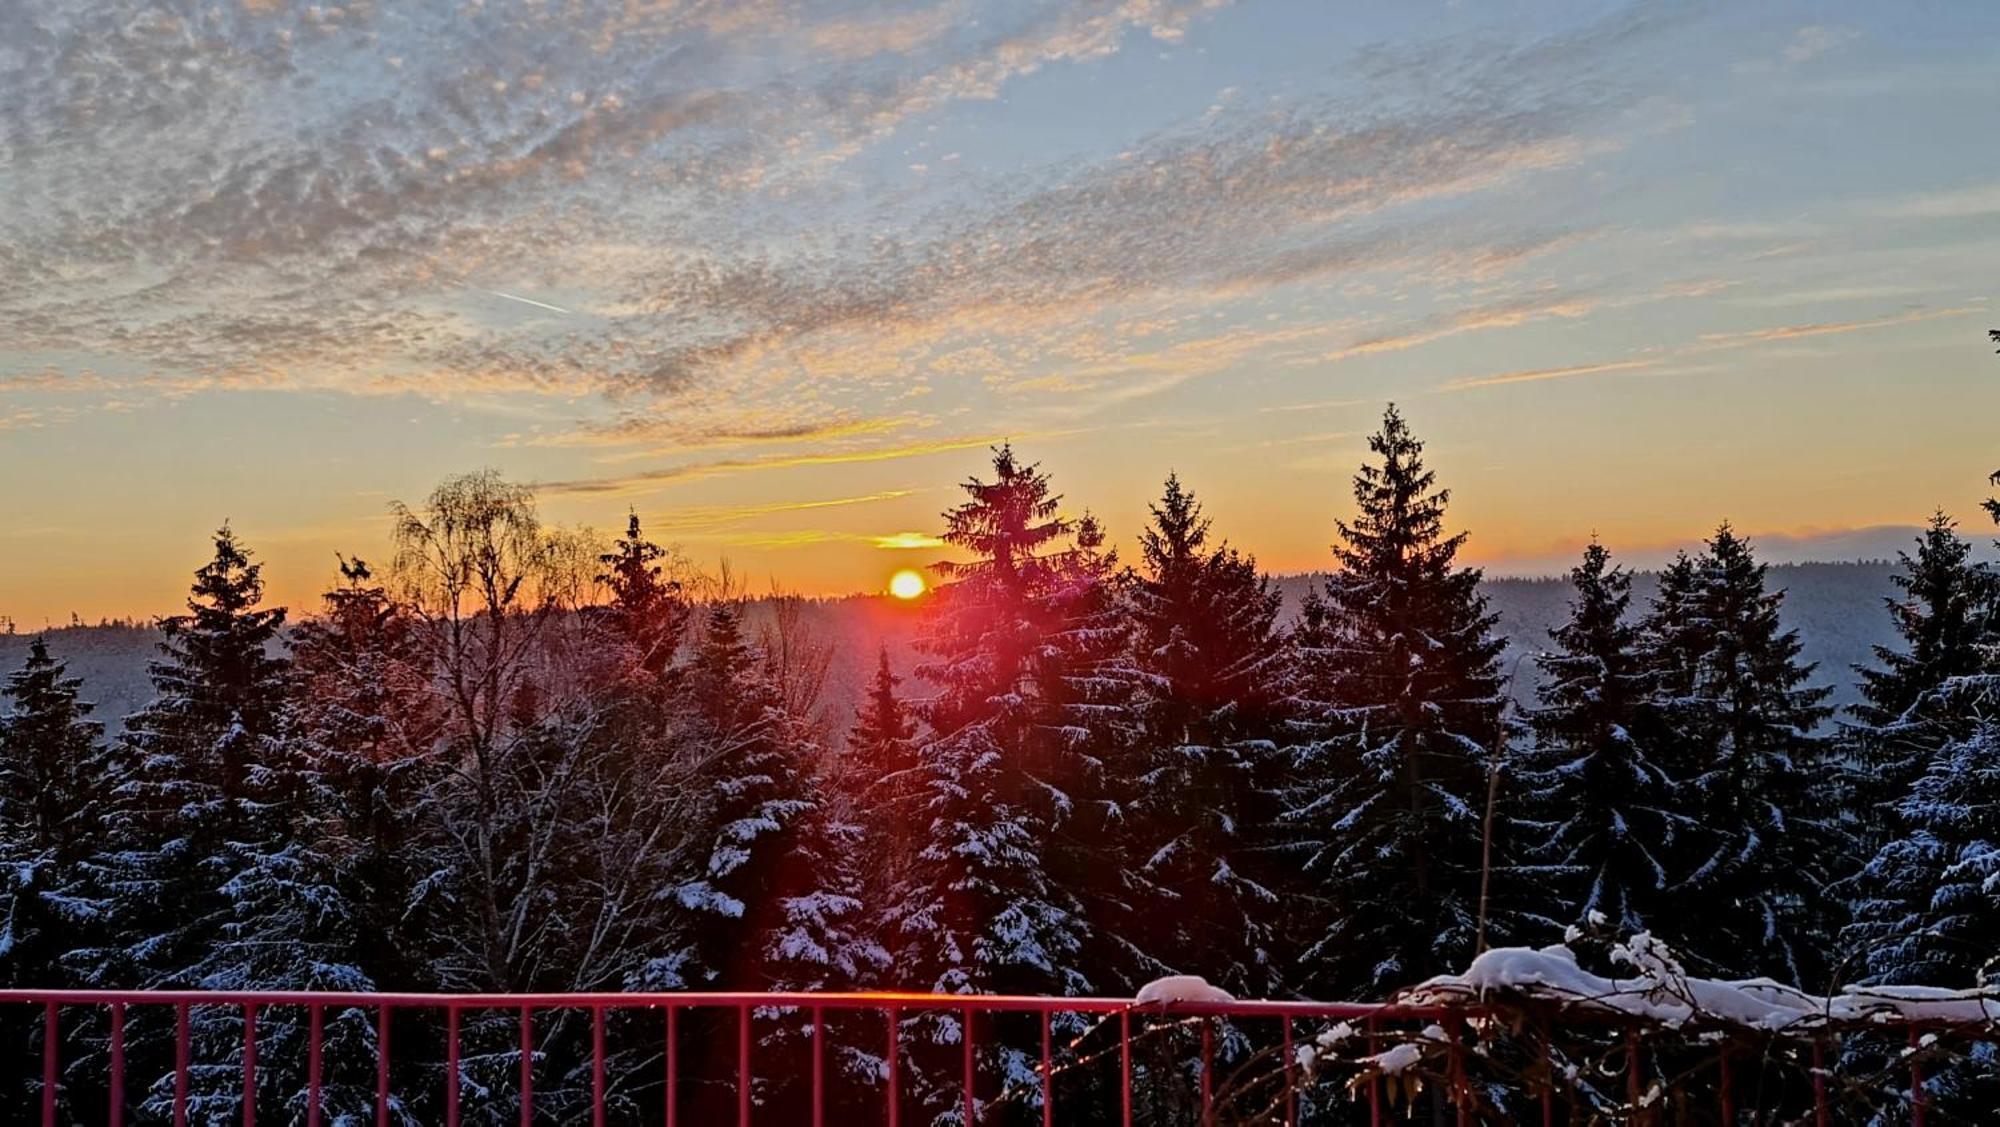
1728 1085
1290 1073
117 1116
181 1038
1549 1072
1125 1065
894 1092
1917 1099
527 1067
1207 1068
1048 1073
451 1066
1632 1089
249 1064
742 1066
315 1042
1374 1082
51 1032
382 1066
1819 1082
968 1067
673 1065
1461 1091
597 1066
819 1066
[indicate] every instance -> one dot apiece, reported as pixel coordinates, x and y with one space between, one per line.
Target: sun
906 584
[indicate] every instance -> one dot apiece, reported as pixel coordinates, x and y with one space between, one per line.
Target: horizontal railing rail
1381 1023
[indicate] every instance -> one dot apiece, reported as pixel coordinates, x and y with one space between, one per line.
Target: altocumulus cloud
322 196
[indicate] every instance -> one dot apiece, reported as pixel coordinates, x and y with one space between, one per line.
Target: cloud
1969 202
682 219
1827 328
1501 315
635 482
903 541
1536 375
710 516
1811 42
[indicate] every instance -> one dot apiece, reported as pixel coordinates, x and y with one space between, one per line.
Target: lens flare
906 584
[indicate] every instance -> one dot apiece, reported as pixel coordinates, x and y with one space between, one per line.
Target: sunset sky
774 275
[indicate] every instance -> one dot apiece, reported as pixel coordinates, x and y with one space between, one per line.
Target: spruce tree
647 614
1745 725
214 807
1208 657
1943 618
1024 834
755 794
350 899
1599 821
1389 790
56 782
198 791
1926 912
881 770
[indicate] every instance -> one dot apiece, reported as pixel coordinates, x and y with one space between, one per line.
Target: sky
775 275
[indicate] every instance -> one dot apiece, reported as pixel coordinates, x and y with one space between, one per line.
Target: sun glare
906 584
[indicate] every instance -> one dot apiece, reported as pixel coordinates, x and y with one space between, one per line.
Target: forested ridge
510 758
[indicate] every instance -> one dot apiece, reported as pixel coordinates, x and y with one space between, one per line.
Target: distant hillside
1836 607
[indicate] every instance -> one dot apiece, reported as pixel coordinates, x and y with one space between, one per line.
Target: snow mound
1181 988
1659 990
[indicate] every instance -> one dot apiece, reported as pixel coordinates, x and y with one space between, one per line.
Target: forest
511 758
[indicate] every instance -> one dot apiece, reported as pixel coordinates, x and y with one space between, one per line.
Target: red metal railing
1380 1022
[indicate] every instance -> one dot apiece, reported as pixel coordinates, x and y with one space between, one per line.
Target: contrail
527 301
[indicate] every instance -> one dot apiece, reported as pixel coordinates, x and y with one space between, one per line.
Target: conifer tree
1208 658
1023 832
198 792
1390 787
1600 822
56 782
888 781
1745 721
647 613
213 805
1925 912
756 795
365 722
1943 617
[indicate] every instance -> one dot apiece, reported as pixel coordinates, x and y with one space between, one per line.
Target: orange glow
906 584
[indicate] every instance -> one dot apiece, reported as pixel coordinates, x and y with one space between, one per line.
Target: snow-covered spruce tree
56 780
212 806
1389 783
880 774
1744 719
1025 657
882 745
1926 907
821 937
755 795
1598 821
1943 617
1928 913
1209 660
